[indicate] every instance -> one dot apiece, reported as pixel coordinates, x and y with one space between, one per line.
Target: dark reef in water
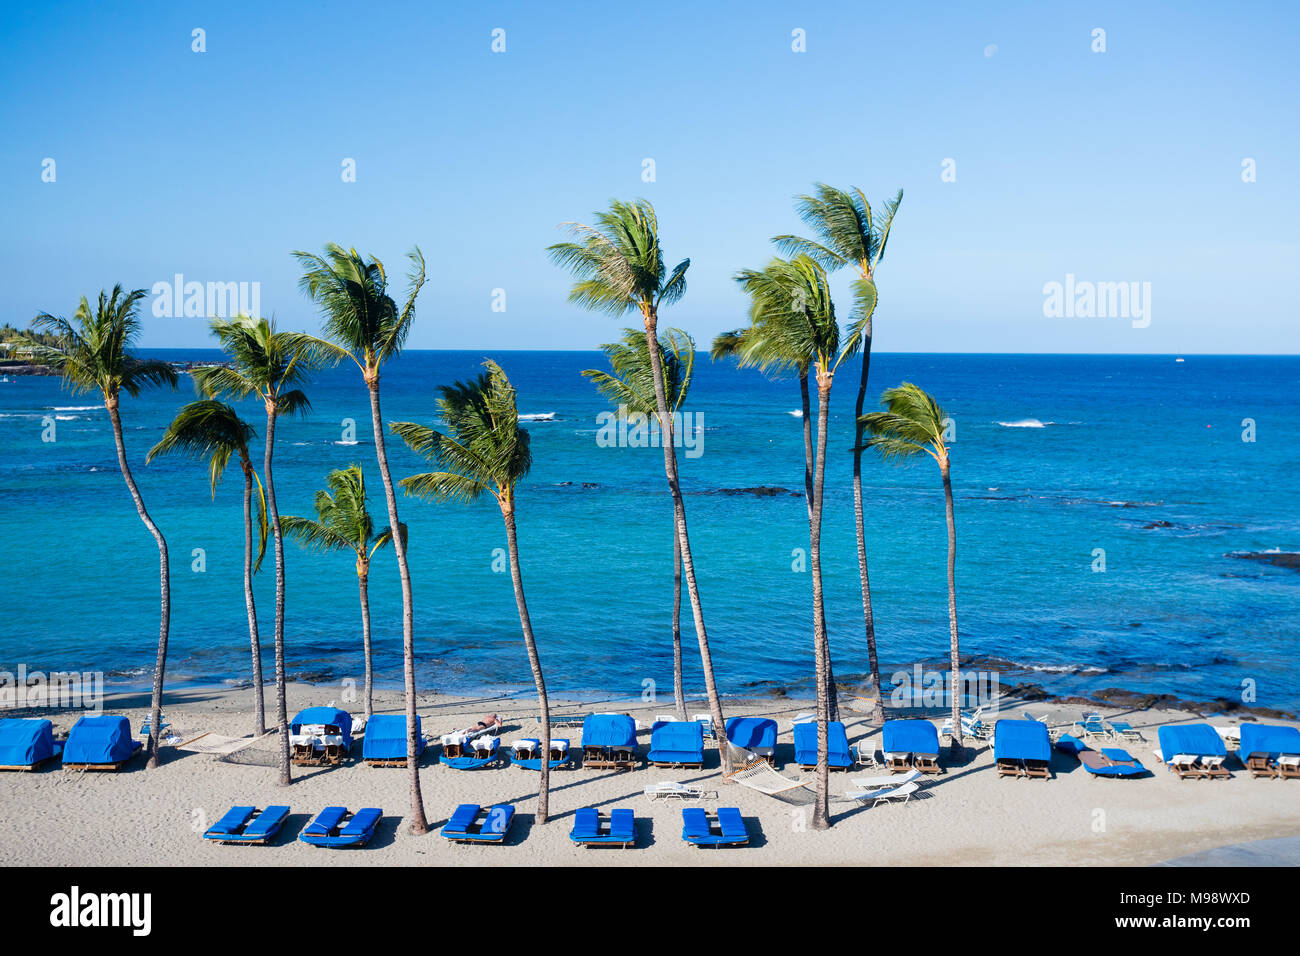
761 491
1281 559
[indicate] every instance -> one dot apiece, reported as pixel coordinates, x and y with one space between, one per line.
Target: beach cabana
1265 748
320 735
910 743
1022 748
336 828
838 755
473 824
697 829
25 744
99 742
755 734
1191 750
677 743
458 753
384 744
248 825
527 753
608 742
619 830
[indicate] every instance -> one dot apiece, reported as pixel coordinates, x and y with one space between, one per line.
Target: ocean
1062 466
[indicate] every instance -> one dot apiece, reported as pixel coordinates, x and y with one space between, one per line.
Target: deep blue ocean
1055 457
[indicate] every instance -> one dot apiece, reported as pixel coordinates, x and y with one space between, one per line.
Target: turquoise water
1124 442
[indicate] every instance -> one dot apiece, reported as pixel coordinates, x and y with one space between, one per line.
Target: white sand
968 816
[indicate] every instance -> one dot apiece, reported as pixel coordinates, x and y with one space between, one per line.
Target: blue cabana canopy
909 737
330 716
677 741
837 744
608 730
385 737
24 743
99 739
1271 739
1197 740
752 733
1021 740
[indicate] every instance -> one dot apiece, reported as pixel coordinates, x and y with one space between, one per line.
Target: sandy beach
966 816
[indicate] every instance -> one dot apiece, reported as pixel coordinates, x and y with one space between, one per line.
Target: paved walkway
1280 852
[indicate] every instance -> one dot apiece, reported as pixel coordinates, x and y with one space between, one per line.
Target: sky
1026 156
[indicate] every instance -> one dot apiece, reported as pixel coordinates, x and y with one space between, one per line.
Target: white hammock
760 775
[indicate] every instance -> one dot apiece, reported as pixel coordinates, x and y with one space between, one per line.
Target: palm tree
484 452
344 524
630 388
364 324
619 268
213 430
94 354
843 222
793 324
268 364
914 423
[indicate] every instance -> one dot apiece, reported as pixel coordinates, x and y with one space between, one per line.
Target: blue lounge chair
1123 730
330 830
608 742
1092 726
384 744
910 743
465 826
1022 748
482 751
25 744
1110 762
247 825
1268 749
1189 750
676 743
838 756
697 830
99 742
755 734
527 753
621 830
320 735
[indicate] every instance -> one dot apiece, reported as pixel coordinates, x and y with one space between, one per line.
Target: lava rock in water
762 491
1281 559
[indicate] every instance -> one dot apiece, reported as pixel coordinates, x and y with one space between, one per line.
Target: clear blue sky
1115 166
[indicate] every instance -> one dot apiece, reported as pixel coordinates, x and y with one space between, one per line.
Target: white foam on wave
353 442
538 417
1024 423
75 408
797 413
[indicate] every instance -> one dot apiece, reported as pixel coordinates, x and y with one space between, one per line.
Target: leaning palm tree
793 324
619 268
843 222
344 524
270 365
93 353
364 324
630 388
213 430
484 451
914 423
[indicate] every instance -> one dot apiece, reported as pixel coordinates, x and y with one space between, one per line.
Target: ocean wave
797 413
353 442
537 417
76 408
1026 423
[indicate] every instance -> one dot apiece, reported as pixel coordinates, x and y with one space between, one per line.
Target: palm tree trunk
544 706
164 580
363 584
683 539
809 464
821 643
679 692
952 612
867 617
273 512
419 824
259 698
